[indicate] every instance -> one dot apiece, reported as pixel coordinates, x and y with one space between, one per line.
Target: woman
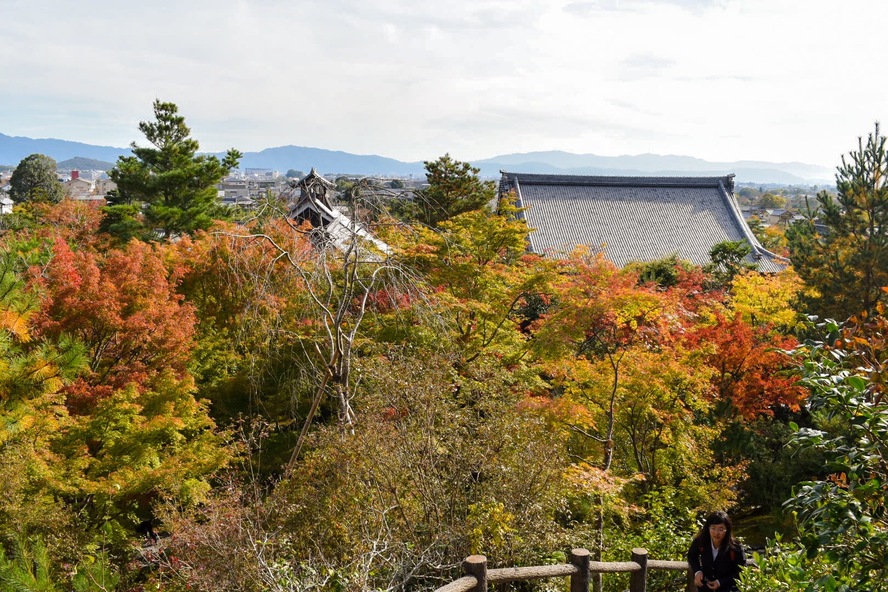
715 556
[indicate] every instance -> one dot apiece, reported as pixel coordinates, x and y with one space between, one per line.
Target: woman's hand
713 585
698 578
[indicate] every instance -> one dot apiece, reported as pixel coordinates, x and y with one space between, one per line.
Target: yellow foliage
587 478
767 299
491 526
16 323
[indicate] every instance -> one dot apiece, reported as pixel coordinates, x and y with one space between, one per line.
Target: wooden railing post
692 586
476 565
638 579
579 582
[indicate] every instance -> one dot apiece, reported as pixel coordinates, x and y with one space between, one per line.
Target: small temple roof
313 204
310 188
634 218
313 176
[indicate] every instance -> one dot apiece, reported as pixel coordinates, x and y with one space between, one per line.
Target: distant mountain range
331 162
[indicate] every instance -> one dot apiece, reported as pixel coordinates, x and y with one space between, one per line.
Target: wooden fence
580 570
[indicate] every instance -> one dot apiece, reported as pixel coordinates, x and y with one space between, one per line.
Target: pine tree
454 188
846 259
169 188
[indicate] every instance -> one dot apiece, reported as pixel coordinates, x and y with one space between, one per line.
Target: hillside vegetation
250 406
85 164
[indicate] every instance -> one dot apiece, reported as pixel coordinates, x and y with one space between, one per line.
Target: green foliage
122 218
173 186
454 188
756 226
773 467
28 570
727 259
35 179
31 569
786 567
844 516
847 264
96 574
665 272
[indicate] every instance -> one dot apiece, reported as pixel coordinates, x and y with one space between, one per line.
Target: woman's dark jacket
725 568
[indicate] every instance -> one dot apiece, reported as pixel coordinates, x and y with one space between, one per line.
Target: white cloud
716 79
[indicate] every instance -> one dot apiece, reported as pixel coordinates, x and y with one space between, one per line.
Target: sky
722 80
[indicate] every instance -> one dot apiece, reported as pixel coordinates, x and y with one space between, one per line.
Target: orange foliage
601 308
124 308
750 368
559 412
75 222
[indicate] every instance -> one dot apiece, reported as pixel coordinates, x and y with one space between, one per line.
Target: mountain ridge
282 158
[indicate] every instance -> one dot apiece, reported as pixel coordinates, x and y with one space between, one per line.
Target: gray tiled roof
634 218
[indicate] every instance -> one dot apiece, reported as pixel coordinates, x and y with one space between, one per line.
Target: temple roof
312 187
634 218
314 177
330 224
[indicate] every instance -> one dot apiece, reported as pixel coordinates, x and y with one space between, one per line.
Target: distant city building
245 188
104 185
262 173
77 188
6 204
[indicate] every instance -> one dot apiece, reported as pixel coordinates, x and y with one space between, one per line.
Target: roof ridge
614 180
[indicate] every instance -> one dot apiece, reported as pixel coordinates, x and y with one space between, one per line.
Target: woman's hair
714 519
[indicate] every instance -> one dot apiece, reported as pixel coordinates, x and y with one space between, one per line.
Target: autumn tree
97 422
454 188
253 354
35 179
32 373
123 306
771 201
168 188
847 262
768 299
601 314
751 375
481 278
583 342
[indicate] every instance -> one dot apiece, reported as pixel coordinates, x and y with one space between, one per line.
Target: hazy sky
778 80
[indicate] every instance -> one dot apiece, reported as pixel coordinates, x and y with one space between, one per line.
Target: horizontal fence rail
579 570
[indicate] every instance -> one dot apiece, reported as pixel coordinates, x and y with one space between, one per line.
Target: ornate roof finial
729 183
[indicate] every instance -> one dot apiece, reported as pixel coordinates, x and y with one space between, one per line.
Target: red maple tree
123 306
